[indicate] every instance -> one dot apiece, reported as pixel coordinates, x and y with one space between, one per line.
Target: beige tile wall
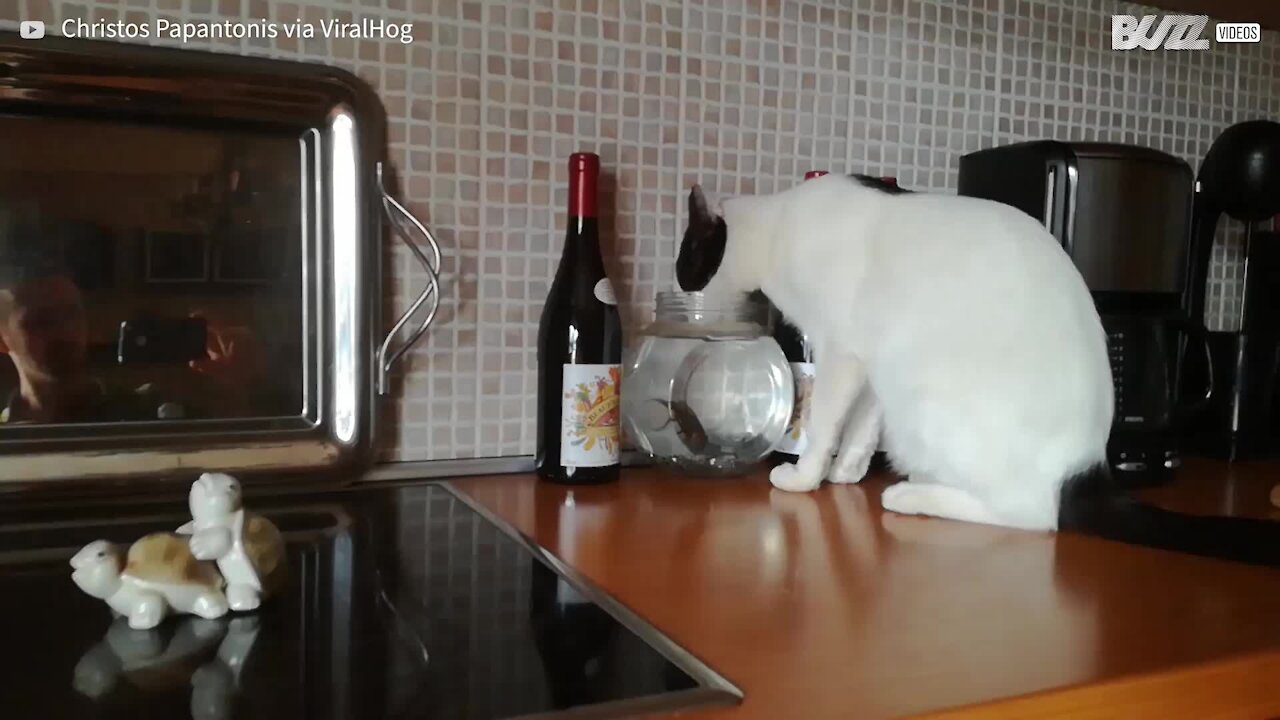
491 96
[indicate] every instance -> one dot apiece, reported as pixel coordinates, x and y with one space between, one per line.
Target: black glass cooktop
404 602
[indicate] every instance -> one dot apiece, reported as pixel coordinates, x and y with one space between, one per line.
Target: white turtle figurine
248 548
159 575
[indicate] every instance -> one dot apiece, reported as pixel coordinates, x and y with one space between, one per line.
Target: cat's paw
787 477
850 469
902 498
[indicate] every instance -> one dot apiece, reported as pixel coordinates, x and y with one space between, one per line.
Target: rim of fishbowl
699 307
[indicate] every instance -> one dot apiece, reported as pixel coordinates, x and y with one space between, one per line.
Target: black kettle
1240 177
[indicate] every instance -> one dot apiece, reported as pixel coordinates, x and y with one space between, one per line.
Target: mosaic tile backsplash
486 100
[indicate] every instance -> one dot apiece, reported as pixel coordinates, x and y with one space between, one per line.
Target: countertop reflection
819 605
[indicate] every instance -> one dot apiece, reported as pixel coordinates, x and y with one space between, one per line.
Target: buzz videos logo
31 29
1176 32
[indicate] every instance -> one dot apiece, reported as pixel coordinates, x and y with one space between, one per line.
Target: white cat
959 332
958 327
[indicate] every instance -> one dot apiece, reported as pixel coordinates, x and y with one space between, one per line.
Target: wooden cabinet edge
1240 687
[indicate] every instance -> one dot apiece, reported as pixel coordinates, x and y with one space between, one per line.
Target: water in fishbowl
709 405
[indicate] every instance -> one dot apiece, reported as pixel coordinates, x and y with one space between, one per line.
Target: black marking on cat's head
702 249
880 184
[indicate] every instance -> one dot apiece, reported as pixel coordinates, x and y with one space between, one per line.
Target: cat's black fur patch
1092 504
702 249
876 183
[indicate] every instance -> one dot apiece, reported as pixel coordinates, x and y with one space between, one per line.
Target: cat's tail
1091 504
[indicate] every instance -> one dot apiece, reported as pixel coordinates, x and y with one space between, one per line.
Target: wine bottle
799 352
574 640
580 350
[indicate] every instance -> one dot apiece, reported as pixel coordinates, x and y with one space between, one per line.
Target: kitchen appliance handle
1050 188
403 222
1069 229
1197 332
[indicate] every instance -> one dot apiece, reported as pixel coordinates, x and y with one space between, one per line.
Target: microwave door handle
402 214
402 222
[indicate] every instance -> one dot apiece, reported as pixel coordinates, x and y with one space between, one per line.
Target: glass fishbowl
705 388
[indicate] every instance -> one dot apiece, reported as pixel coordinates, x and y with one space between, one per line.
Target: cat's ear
698 207
702 249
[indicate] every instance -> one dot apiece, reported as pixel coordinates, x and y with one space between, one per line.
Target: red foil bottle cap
814 173
584 175
890 179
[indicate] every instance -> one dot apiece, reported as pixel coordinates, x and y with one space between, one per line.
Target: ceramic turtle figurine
247 547
159 575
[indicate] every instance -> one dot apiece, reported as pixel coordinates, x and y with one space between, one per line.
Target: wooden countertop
820 606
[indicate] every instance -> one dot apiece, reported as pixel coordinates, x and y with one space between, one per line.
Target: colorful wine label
590 431
796 439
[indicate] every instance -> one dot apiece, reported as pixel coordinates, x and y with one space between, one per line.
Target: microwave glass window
149 273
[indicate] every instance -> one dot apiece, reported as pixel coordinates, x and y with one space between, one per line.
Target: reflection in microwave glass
148 273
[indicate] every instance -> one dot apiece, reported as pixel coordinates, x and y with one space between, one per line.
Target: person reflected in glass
63 362
233 367
44 334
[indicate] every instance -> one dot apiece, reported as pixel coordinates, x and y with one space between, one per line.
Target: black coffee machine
1122 213
1240 178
